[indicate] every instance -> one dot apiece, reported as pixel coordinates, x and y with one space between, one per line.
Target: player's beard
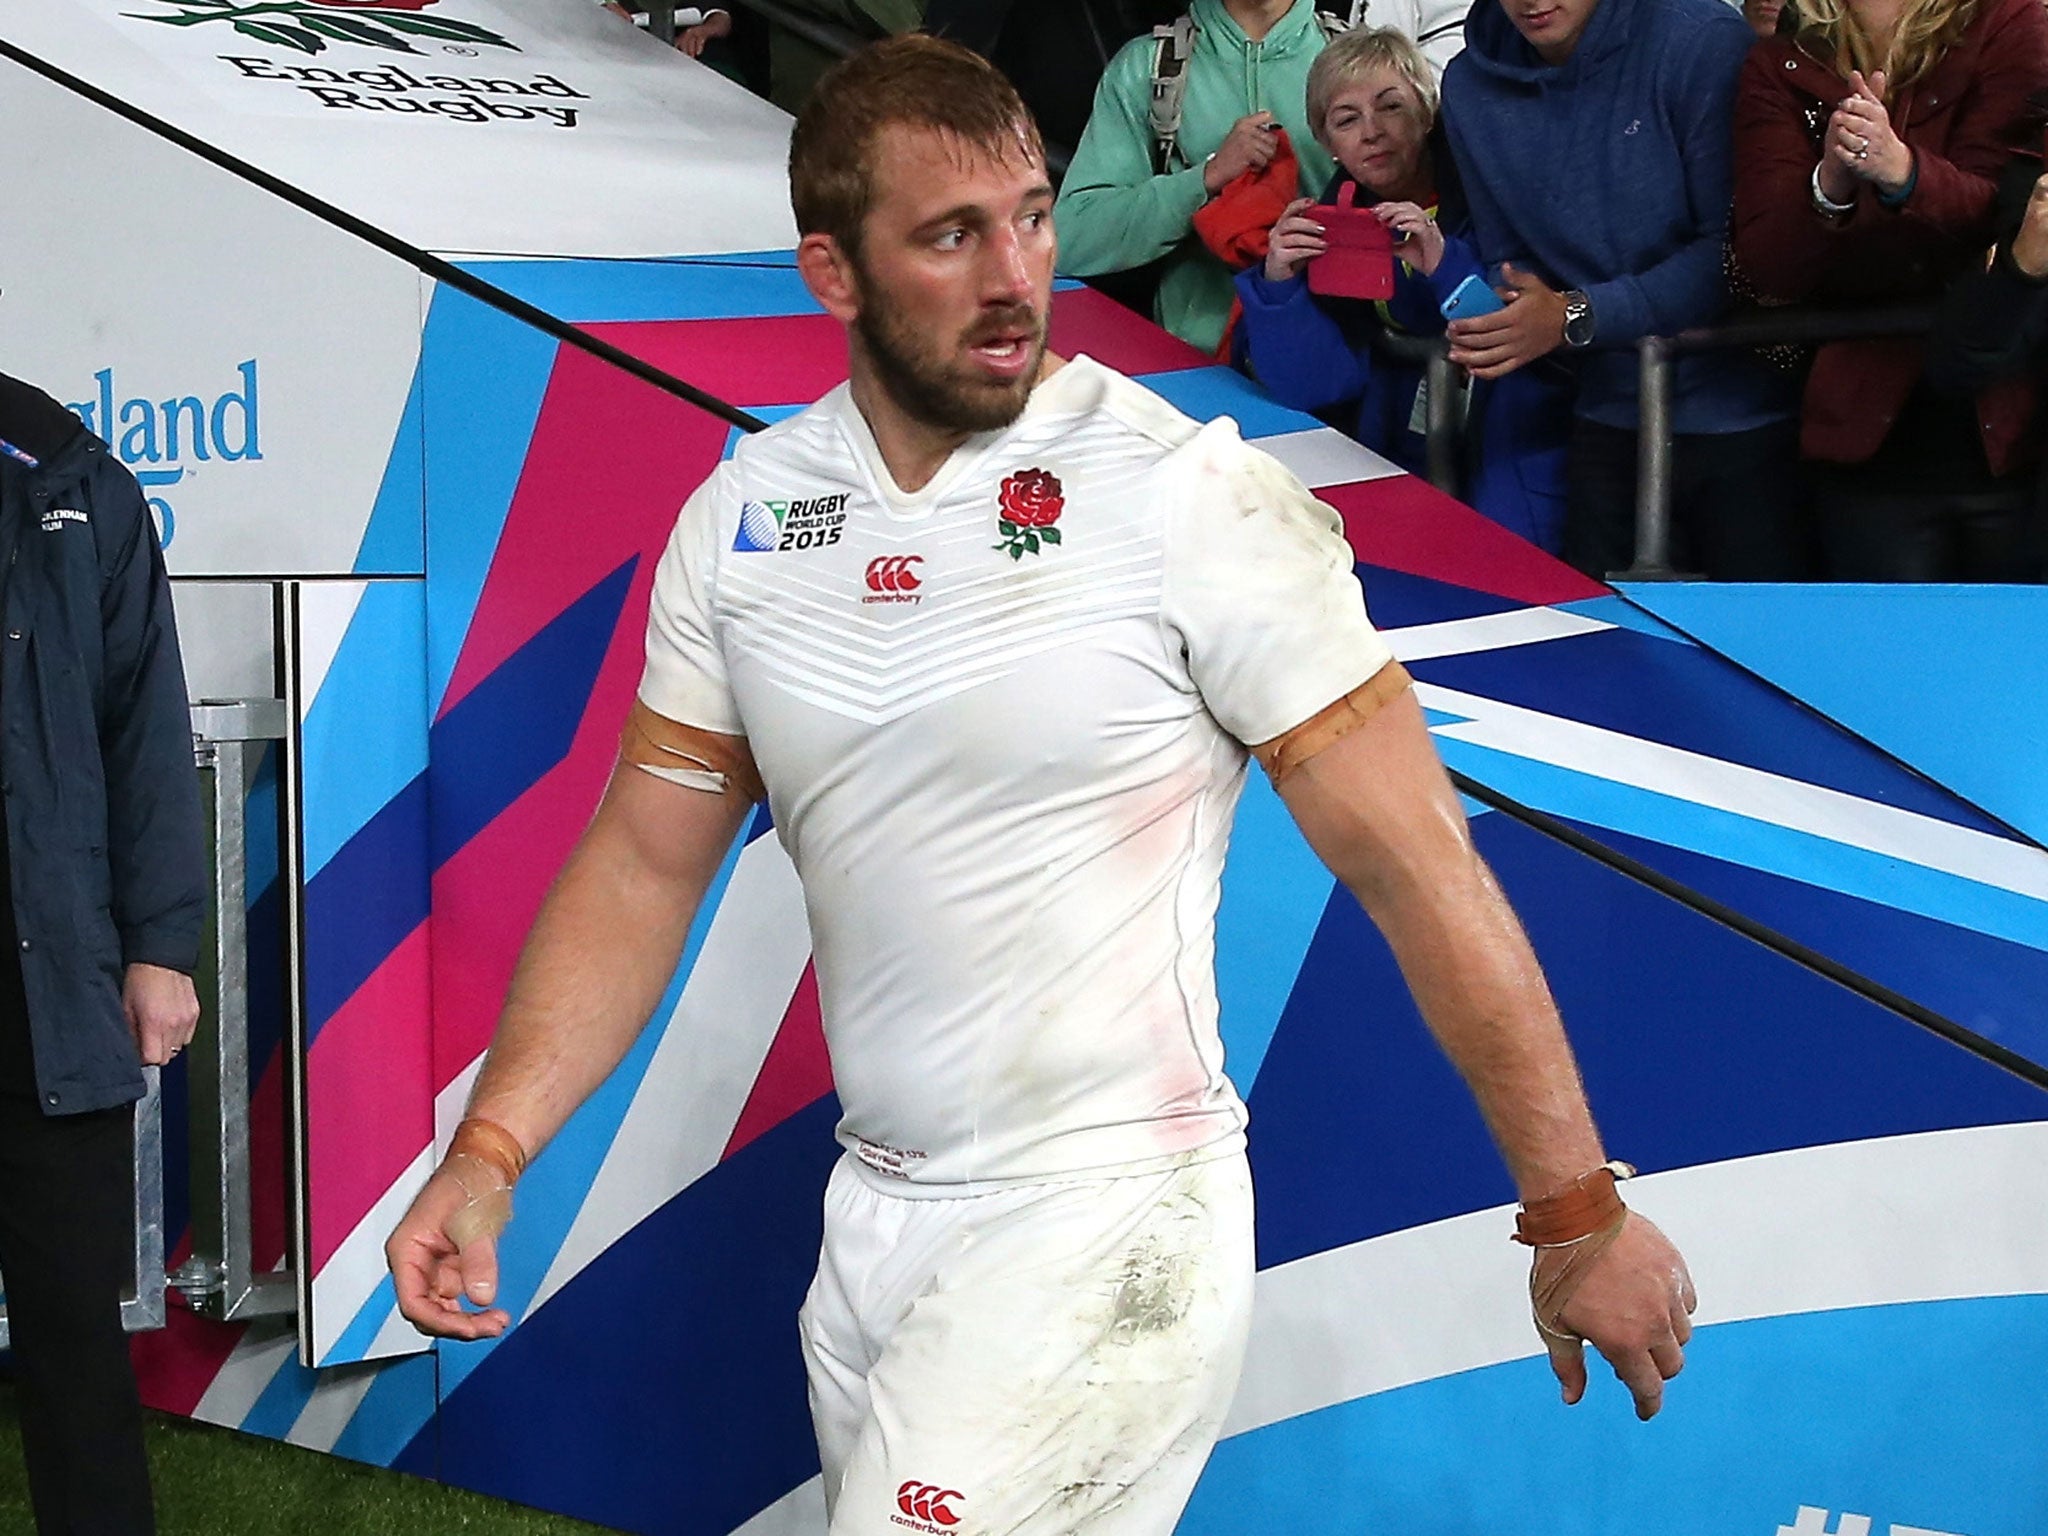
938 388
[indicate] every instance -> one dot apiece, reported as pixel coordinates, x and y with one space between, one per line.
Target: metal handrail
1442 424
1789 326
1756 328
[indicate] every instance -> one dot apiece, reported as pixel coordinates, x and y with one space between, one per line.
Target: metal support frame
216 1279
219 1279
142 1304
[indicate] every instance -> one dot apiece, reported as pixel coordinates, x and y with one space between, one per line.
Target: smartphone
1471 299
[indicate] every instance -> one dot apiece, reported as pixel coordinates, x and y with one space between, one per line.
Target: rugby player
996 635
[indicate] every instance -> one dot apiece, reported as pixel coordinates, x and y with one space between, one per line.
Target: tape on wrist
488 1209
1569 1231
1583 1207
490 1142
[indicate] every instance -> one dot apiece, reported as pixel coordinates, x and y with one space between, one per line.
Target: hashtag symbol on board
1814 1522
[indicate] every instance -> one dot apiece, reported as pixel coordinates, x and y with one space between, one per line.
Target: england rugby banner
502 127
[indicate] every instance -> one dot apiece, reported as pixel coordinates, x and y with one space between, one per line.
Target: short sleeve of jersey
685 680
1260 589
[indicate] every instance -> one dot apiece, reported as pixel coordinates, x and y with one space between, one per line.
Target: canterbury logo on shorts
928 1504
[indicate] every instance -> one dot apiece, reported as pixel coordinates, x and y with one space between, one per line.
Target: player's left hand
162 1010
1635 1306
1531 326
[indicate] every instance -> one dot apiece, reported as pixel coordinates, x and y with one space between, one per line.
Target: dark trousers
1738 503
67 1236
1870 533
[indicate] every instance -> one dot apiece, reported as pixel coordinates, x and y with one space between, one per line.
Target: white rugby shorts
1033 1361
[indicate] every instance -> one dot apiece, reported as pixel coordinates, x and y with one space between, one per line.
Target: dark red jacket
1963 120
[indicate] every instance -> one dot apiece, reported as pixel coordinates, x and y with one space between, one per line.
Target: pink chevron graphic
174 1365
370 1094
591 496
486 895
772 360
1407 524
1086 321
796 1073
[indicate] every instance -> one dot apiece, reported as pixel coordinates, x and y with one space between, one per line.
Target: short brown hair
914 80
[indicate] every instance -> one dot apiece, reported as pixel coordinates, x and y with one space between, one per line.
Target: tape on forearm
1569 1231
1331 724
488 1209
686 755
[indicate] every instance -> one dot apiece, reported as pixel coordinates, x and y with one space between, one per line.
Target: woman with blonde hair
1372 103
1869 138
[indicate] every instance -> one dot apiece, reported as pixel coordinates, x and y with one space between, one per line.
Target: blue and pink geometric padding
466 723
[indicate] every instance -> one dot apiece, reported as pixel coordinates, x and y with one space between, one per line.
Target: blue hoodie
1612 172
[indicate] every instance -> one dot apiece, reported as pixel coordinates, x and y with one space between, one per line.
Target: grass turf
216 1482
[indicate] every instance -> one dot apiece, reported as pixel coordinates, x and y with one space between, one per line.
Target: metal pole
1653 464
1440 378
661 20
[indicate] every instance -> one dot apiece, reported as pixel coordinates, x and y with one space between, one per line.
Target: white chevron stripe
702 1072
335 1398
1325 456
268 1346
1867 1223
799 1512
1488 632
971 668
326 609
1752 792
356 1268
982 613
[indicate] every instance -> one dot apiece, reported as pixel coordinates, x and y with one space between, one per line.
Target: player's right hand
1248 146
434 1276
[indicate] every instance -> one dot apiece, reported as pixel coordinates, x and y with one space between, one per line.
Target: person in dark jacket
1869 140
1592 137
1993 326
105 862
1373 104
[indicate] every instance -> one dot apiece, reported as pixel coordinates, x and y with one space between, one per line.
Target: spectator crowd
1559 179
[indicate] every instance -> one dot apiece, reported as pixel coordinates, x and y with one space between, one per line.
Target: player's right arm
606 943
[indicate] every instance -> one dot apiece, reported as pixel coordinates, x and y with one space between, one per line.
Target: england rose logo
309 25
1028 505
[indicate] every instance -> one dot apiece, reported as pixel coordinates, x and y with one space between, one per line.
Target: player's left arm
1378 808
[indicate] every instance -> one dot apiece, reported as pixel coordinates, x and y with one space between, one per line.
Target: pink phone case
1360 261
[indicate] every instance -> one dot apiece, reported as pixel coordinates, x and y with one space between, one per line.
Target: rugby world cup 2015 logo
310 25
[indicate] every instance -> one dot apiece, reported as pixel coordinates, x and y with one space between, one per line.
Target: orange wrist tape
1569 1231
489 1142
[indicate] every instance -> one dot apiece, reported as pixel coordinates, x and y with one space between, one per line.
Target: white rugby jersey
1001 725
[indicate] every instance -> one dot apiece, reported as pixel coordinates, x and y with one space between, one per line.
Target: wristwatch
1578 318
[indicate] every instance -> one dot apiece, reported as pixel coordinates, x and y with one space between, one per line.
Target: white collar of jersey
1070 391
